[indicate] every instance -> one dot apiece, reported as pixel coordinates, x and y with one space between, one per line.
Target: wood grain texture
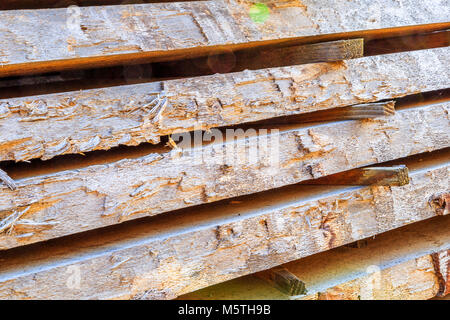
381 176
161 263
50 125
77 200
354 112
317 52
111 35
261 58
414 279
398 265
43 4
282 279
4 178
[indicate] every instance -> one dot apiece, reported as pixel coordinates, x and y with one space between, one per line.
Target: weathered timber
50 125
381 176
86 198
111 35
283 280
42 4
167 257
408 263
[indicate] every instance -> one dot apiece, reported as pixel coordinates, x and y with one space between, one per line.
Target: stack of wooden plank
224 149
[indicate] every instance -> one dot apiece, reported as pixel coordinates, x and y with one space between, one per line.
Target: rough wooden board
42 4
397 265
77 200
158 262
111 35
50 125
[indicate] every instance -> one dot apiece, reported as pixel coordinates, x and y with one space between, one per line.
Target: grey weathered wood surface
76 200
50 125
107 35
170 257
42 4
410 263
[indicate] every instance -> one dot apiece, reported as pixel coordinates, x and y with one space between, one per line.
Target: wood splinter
7 180
381 176
283 280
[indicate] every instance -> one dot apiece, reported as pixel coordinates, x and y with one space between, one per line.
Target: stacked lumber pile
224 149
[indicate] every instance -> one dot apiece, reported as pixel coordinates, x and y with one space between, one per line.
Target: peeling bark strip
50 125
111 35
441 263
380 176
102 195
166 265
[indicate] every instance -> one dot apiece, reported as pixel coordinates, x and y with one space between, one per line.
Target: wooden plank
260 58
49 125
42 4
403 264
85 198
111 35
177 254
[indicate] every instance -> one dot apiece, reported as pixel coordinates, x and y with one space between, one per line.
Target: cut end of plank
353 49
284 281
369 110
389 108
387 176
